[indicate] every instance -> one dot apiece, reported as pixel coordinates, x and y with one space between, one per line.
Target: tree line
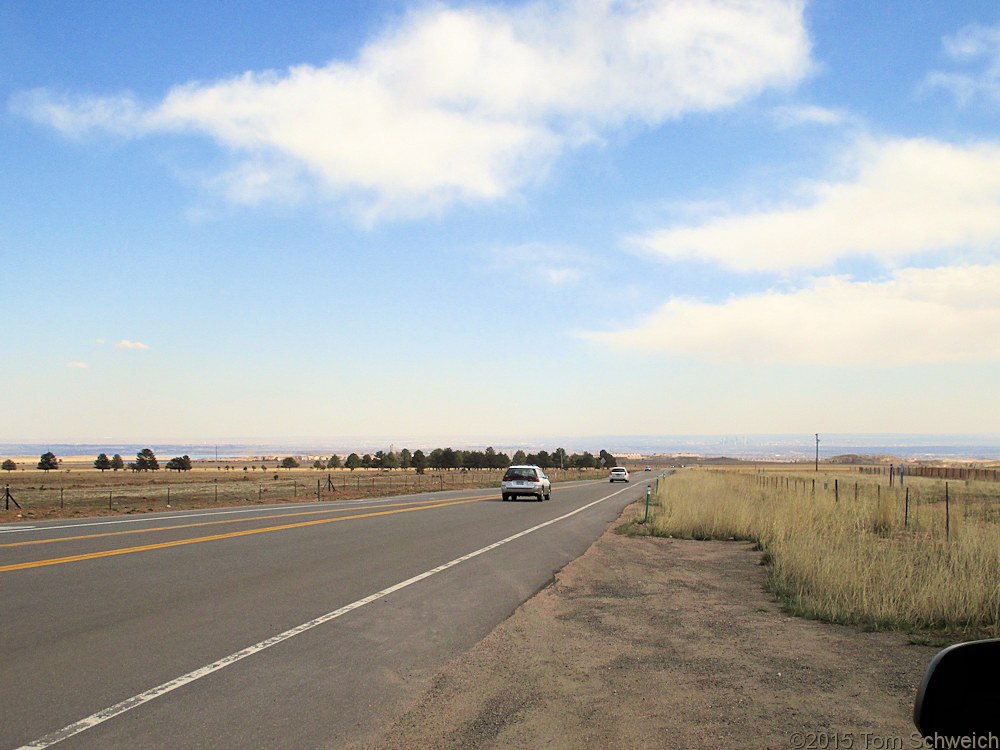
450 458
439 458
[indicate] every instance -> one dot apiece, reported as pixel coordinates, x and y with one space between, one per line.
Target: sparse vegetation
845 547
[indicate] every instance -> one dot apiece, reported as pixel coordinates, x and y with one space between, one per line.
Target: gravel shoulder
666 643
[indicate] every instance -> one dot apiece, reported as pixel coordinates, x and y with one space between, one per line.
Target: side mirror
960 693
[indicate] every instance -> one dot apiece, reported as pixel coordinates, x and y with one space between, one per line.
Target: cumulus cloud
975 45
126 344
465 104
917 316
77 365
905 198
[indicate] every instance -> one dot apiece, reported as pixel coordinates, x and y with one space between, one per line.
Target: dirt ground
666 643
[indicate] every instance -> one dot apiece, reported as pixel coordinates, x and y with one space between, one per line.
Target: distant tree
390 460
353 461
145 460
436 459
544 460
585 460
405 459
181 463
333 462
8 465
48 461
419 461
519 457
117 462
289 463
559 459
607 460
319 463
367 461
102 462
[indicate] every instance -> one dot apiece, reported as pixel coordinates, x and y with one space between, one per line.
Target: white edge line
137 700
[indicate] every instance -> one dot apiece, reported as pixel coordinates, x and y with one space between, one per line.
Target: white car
525 480
618 474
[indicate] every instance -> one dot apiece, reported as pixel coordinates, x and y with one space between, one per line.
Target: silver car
525 480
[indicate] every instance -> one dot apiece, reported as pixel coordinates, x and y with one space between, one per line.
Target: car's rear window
518 474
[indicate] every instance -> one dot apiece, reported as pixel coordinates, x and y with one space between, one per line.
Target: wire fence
932 505
80 493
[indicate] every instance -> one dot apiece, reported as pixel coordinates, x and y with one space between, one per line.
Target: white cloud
466 104
905 198
543 263
918 316
973 44
77 365
560 275
126 344
808 114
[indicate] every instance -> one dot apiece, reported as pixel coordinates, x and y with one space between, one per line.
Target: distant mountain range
783 447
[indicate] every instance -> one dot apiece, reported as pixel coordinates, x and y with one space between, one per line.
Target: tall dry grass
867 558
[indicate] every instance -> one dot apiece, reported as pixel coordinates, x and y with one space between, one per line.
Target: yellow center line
242 519
216 537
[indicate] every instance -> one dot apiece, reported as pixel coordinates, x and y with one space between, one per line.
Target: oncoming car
618 474
525 480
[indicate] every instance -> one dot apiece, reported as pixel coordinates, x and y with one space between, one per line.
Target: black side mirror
960 693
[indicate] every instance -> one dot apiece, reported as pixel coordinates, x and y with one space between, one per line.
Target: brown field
78 489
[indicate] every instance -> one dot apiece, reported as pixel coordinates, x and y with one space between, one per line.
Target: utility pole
817 451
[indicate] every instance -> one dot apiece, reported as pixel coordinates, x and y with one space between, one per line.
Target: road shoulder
664 643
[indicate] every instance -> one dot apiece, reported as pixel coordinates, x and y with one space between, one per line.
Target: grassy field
846 547
78 489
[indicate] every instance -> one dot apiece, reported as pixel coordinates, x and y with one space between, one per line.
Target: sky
481 220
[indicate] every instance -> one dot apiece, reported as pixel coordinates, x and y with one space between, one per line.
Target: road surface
297 625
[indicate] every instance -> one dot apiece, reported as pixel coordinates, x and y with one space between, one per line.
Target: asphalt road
298 626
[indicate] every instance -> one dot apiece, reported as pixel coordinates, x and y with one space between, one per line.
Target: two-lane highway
305 625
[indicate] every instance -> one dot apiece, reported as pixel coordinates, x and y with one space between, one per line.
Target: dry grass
83 490
852 550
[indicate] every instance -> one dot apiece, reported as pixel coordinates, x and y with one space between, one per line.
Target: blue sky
494 220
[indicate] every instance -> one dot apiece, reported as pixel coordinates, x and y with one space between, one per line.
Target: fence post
9 498
947 514
836 490
317 490
906 510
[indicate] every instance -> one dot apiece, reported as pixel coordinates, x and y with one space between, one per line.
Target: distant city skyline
494 218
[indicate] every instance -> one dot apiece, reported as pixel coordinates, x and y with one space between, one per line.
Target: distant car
525 480
618 474
648 468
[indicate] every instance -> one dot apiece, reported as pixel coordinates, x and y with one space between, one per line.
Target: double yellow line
214 537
